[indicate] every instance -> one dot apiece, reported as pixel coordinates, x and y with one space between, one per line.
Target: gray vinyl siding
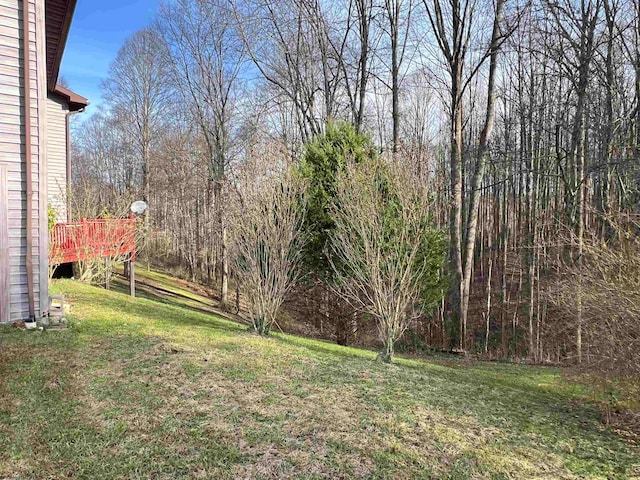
11 149
4 246
57 157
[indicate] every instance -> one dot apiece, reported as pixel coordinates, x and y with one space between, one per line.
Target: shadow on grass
115 306
169 297
165 297
325 347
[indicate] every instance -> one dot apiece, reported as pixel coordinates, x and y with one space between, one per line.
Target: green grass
169 284
161 287
138 388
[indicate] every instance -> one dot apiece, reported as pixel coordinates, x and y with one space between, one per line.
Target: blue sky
98 30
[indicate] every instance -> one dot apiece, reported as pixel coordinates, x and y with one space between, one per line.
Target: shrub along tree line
324 159
358 221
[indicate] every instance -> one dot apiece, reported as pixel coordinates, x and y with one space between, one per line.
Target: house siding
12 156
57 157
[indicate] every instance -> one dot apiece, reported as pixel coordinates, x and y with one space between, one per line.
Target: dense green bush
324 158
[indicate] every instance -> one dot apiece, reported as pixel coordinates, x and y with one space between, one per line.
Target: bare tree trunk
583 20
364 8
483 154
224 284
504 245
487 312
455 222
393 11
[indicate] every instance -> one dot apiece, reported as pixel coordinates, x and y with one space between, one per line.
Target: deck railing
91 238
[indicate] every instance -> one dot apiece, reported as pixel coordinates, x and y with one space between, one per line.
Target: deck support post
132 278
107 275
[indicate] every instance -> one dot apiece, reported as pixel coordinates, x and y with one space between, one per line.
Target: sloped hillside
138 388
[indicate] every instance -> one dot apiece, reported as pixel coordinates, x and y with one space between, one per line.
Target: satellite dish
138 207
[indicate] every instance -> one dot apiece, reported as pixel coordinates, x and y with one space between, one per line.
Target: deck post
107 283
132 278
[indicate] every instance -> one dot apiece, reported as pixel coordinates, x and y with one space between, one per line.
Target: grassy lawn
164 288
143 389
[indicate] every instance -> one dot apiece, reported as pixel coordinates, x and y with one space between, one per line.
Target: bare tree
267 233
397 14
364 19
384 245
138 92
453 30
604 286
105 157
208 56
576 26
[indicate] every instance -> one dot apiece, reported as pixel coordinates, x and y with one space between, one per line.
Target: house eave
73 100
58 15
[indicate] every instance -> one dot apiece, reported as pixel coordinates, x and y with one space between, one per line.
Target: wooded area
514 124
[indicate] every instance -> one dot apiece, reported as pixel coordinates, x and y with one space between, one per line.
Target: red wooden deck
92 238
